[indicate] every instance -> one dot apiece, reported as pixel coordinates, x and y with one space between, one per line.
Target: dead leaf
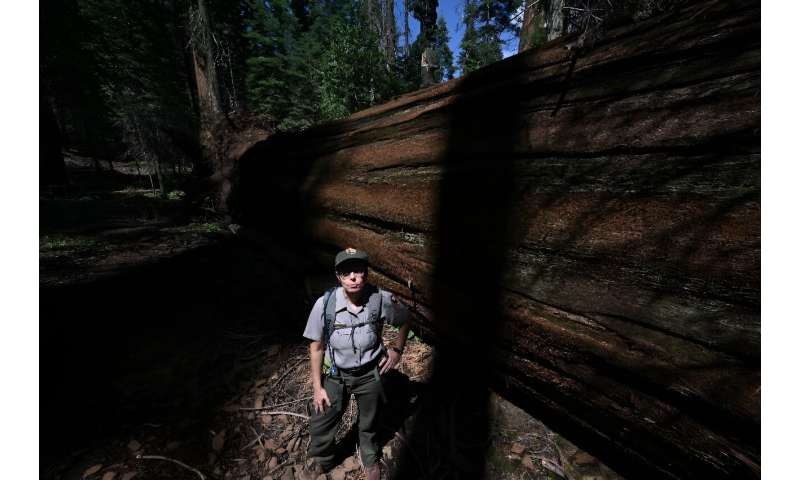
266 420
92 470
582 458
350 464
517 448
526 460
261 454
109 475
219 441
273 462
129 475
134 446
287 475
338 473
280 451
270 445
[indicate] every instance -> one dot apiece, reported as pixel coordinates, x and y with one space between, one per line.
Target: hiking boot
312 471
374 471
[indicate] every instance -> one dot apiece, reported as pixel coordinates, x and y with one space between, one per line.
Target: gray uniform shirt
366 338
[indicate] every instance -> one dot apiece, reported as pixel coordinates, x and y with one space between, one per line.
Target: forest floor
168 354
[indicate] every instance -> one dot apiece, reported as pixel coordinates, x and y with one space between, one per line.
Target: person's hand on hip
320 399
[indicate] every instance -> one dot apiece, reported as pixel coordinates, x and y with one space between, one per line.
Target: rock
134 446
92 470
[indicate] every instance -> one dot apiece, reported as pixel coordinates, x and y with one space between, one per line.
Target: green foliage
320 64
65 242
444 56
485 22
211 228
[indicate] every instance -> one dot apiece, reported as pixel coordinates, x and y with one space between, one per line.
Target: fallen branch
177 462
276 467
277 405
286 413
280 379
253 442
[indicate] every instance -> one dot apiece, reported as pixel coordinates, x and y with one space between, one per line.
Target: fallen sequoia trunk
592 214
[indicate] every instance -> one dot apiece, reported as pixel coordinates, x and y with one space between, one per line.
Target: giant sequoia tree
585 245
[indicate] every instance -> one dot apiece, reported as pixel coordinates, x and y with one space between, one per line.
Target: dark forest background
152 83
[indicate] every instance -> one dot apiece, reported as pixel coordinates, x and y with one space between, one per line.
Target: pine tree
485 22
444 56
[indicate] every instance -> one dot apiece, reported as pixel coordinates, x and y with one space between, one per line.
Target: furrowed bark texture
628 177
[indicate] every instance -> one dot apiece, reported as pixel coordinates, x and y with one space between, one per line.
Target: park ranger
348 356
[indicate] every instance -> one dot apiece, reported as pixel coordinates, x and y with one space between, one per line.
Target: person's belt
363 369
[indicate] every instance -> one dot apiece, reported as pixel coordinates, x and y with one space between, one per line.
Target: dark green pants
368 392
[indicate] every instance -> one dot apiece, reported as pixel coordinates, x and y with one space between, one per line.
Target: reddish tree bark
607 197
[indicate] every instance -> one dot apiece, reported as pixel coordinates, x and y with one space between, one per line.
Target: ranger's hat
350 254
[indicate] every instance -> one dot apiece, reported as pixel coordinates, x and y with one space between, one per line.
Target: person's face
352 276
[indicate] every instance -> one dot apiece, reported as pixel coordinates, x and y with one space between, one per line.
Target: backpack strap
375 305
328 316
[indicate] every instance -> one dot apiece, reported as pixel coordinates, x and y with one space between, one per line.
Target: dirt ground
174 351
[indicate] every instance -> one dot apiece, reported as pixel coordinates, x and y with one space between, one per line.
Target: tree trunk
554 25
529 20
390 30
205 74
588 247
52 170
406 30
